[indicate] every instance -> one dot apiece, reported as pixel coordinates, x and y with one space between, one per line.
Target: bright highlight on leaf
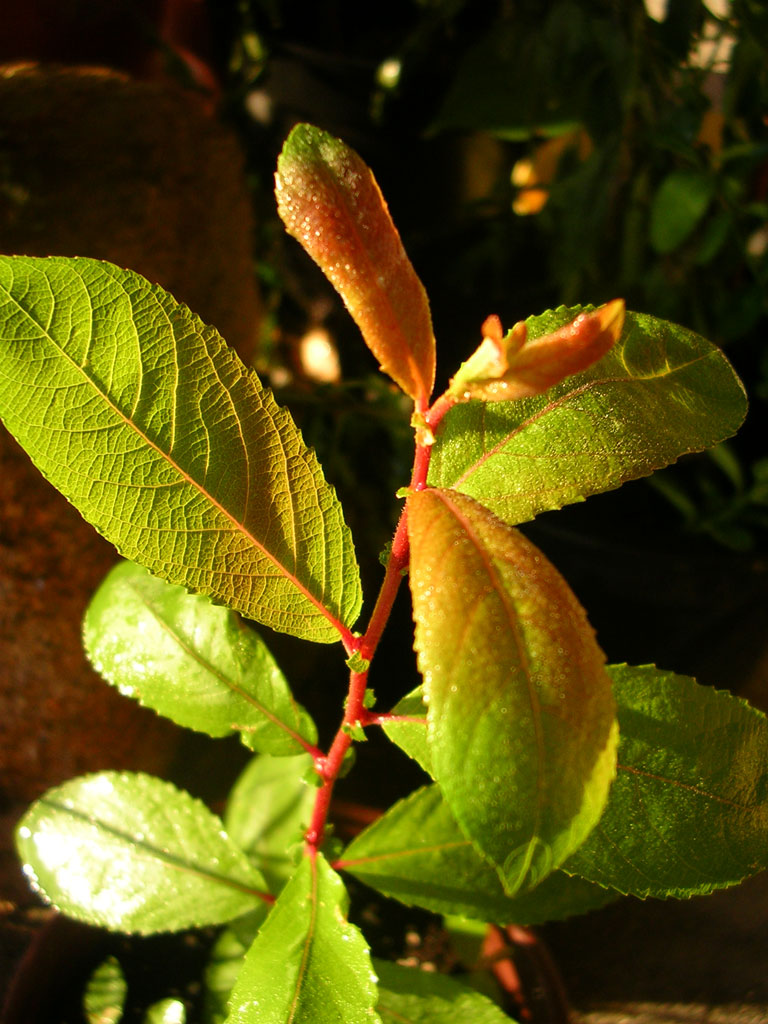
659 393
687 813
132 853
157 433
513 367
520 713
330 202
194 662
307 965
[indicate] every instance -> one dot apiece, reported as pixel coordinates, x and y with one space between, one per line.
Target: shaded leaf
169 446
410 996
194 662
105 991
680 202
520 713
307 965
267 812
225 962
411 736
416 853
661 392
133 853
330 202
688 812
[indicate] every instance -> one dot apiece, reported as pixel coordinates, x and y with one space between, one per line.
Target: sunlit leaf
133 853
520 713
688 812
410 996
512 366
307 965
160 436
417 854
267 812
105 991
330 202
167 1011
661 392
194 662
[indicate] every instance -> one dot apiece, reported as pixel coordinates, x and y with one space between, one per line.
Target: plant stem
355 714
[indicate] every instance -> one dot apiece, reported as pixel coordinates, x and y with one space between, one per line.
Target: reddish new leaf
521 722
512 366
330 202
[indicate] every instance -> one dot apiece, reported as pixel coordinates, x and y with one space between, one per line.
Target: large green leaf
661 391
417 854
409 996
154 429
520 713
268 809
330 202
307 965
194 662
688 812
133 853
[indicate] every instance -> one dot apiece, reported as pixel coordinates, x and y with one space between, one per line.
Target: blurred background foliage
533 153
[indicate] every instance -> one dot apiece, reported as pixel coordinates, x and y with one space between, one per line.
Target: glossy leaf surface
194 662
520 713
417 854
330 202
267 812
132 853
154 429
661 392
307 965
411 996
688 812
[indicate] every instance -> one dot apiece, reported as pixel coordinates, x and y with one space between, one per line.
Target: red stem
355 714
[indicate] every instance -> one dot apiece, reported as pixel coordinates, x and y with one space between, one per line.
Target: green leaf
167 1011
520 713
416 853
194 662
688 812
330 202
411 733
308 965
169 446
661 392
410 996
680 202
268 810
133 853
105 991
225 962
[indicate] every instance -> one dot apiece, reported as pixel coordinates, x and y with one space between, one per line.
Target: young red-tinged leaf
688 812
159 435
308 964
513 367
660 392
330 202
520 714
417 853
